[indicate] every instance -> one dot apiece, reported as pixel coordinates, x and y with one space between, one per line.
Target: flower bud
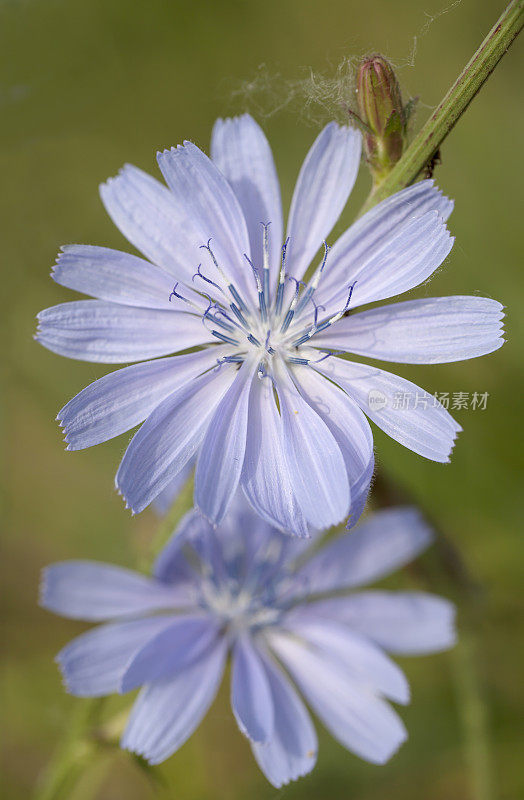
382 112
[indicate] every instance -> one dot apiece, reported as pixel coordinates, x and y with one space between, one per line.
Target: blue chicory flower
260 398
275 603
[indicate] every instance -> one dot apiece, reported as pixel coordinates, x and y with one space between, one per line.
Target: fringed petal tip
127 505
172 151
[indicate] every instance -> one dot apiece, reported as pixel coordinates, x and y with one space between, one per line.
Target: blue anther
237 297
238 314
253 340
294 360
224 338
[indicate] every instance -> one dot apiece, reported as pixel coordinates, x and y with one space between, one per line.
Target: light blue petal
242 153
219 464
360 720
163 501
93 330
95 591
124 398
92 665
430 331
266 479
292 750
350 428
171 566
360 493
359 657
213 212
114 276
384 542
407 623
314 460
324 184
173 649
149 217
403 410
410 256
251 698
169 438
167 712
362 251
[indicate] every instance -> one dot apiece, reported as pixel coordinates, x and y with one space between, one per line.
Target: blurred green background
86 85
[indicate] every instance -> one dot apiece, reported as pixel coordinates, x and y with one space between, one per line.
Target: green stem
75 755
446 115
473 714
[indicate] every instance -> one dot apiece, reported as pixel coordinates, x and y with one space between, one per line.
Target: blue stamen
294 360
261 296
224 338
238 314
232 359
327 354
238 299
282 278
253 340
291 311
314 283
322 327
230 325
174 293
198 274
265 278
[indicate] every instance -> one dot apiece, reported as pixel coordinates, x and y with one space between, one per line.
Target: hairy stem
478 69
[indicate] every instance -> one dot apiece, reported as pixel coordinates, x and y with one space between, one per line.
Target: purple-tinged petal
266 479
113 276
169 438
384 542
350 428
403 410
95 591
213 210
314 460
324 184
360 720
359 657
146 213
92 665
171 651
94 330
430 331
167 712
169 494
242 153
373 234
124 398
292 750
251 698
221 457
407 623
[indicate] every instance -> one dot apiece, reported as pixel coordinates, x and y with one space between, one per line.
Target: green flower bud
382 113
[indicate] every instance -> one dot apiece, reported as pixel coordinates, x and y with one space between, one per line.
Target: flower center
276 326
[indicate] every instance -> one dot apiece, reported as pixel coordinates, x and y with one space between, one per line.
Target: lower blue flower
275 604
